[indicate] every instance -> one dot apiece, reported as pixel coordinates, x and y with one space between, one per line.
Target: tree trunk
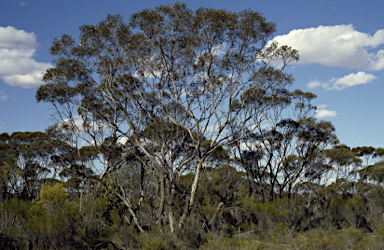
191 201
162 199
170 204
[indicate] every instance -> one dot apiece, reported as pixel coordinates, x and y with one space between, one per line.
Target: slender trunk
191 200
170 204
246 169
141 187
171 220
271 193
289 191
129 206
126 219
134 217
281 189
262 192
162 199
214 215
81 201
261 186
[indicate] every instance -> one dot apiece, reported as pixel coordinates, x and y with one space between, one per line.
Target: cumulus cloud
213 128
77 122
17 66
3 97
339 45
322 113
325 113
344 82
254 146
314 84
122 140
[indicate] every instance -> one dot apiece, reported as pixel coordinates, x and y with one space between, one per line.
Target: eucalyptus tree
367 155
287 150
207 72
24 163
6 155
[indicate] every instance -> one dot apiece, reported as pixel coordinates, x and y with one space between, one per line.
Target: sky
340 43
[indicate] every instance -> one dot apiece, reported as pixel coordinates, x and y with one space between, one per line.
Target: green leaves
363 151
341 155
61 46
55 195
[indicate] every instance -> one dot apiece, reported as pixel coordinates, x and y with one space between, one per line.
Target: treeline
180 130
52 199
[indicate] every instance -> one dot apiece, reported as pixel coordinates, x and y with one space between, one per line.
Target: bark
162 200
214 216
170 204
191 201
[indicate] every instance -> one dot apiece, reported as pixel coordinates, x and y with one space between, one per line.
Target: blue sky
341 47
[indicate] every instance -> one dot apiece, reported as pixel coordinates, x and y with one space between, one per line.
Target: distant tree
286 151
26 162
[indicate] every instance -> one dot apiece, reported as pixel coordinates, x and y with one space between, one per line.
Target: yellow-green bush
53 194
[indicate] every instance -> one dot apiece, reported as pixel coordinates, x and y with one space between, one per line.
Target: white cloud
344 82
351 80
321 106
22 3
339 45
77 122
122 140
3 97
213 128
260 126
17 67
215 51
314 84
322 113
254 146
